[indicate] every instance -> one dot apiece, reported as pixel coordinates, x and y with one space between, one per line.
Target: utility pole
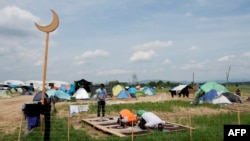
227 74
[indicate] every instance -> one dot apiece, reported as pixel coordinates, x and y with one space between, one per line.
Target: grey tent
232 97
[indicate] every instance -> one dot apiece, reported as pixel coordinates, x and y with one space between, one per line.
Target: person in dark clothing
238 92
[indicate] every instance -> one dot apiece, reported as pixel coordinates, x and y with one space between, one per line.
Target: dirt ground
11 113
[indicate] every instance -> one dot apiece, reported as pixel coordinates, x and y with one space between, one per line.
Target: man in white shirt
149 120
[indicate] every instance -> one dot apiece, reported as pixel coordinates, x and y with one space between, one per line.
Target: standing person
101 95
238 92
149 120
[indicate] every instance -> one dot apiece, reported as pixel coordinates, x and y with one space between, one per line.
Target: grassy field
208 125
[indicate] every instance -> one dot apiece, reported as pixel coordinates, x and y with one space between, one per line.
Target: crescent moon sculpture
52 26
47 29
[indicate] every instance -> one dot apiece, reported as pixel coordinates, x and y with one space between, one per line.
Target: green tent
210 86
139 93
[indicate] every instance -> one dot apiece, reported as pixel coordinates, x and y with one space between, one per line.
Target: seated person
126 118
149 120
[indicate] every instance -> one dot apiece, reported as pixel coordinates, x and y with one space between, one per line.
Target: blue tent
148 91
123 94
62 88
132 91
71 89
209 96
62 95
51 92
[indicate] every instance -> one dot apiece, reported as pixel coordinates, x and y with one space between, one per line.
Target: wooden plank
179 125
109 125
105 129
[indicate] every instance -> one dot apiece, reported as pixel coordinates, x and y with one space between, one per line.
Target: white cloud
3 50
113 72
154 45
167 61
225 58
142 55
92 54
188 14
193 48
15 17
79 60
38 63
194 65
246 54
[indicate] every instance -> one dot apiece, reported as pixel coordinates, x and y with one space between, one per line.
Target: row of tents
211 92
118 91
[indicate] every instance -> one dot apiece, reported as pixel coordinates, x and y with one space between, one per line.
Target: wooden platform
110 126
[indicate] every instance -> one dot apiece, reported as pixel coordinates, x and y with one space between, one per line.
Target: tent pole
20 128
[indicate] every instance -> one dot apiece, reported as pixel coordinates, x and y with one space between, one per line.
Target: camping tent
139 93
209 96
51 92
216 93
148 91
38 97
221 99
56 83
132 91
81 93
13 82
117 89
209 86
232 97
61 95
180 89
35 83
5 94
58 94
123 94
82 84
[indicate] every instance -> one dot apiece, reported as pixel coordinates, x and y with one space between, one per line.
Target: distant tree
113 82
152 84
168 83
160 84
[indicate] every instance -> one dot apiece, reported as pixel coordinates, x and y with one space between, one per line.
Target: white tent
58 84
81 93
221 99
179 88
14 82
36 83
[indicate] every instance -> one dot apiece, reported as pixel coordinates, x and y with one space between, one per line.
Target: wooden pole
132 134
19 135
68 124
44 76
49 28
238 116
45 66
190 130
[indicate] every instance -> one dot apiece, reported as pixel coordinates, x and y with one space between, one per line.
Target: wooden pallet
109 125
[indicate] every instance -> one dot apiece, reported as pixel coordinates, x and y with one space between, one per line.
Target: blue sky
104 40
